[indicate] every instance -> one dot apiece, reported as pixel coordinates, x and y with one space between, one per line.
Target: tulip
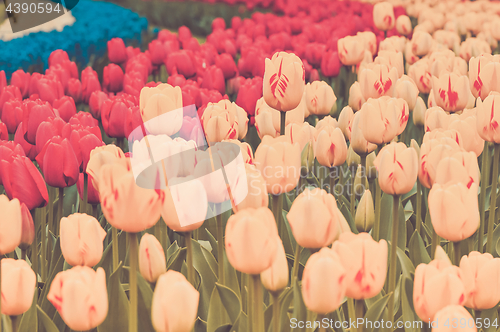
248 94
81 239
213 79
102 155
80 296
116 50
461 166
22 80
257 191
370 41
437 285
11 222
278 160
314 218
452 318
391 59
320 98
356 98
394 43
383 16
12 114
125 205
92 192
58 163
97 98
18 286
377 80
345 121
419 112
251 240
358 142
351 50
152 263
488 117
324 282
28 228
454 213
330 63
177 210
301 134
163 106
275 278
398 168
9 92
421 43
466 126
65 107
90 83
435 118
283 81
75 89
482 75
451 91
403 25
407 90
365 213
421 75
112 78
330 148
365 263
114 114
175 303
35 113
23 181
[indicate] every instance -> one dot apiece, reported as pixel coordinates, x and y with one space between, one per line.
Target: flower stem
60 205
277 207
321 326
189 258
133 257
282 123
34 246
436 241
250 300
394 247
419 206
378 204
258 320
114 241
220 248
485 172
363 172
360 313
43 239
85 192
352 313
333 179
276 311
296 263
456 252
493 202
353 195
15 320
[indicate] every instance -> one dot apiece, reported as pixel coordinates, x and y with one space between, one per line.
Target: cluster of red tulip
417 141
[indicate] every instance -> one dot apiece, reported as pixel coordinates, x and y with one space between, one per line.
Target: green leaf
289 242
117 318
176 259
286 299
231 277
6 323
241 323
230 300
374 313
46 321
44 303
492 315
145 294
407 304
299 308
217 315
200 325
348 217
418 253
29 321
208 279
406 264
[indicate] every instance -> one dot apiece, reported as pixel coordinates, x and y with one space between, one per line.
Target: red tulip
96 100
113 115
22 180
75 89
12 114
65 107
7 93
50 89
90 83
59 163
133 82
92 192
4 133
330 64
22 80
33 88
29 149
183 61
3 80
36 111
59 73
86 120
49 128
226 63
157 52
214 79
248 94
112 78
116 50
83 140
28 227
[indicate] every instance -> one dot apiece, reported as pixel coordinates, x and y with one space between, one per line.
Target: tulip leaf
209 258
299 308
289 242
213 243
117 318
208 279
491 316
29 321
286 299
348 217
230 300
217 315
174 262
44 303
172 249
406 264
375 312
231 278
241 323
385 217
200 325
224 328
407 304
47 323
6 323
144 304
418 253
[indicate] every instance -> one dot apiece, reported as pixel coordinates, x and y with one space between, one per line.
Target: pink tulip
330 148
11 224
275 278
81 239
421 43
403 25
356 98
383 16
365 262
152 261
351 50
18 286
358 142
377 80
483 74
488 117
453 318
451 91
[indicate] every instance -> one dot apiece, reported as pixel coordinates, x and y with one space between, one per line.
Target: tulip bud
421 43
365 213
152 261
320 98
371 170
419 112
323 282
80 296
307 159
18 286
257 191
403 25
451 91
81 239
353 159
251 240
356 98
406 89
358 142
414 145
275 278
383 16
359 187
11 224
175 303
28 228
345 121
